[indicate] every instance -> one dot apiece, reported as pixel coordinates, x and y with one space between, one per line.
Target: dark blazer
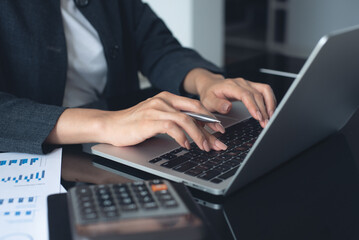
33 61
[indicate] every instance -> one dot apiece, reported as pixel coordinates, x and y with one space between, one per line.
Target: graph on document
23 171
25 182
18 208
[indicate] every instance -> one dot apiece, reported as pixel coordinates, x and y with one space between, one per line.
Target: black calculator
138 210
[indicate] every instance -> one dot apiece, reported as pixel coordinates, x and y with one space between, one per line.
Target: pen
202 117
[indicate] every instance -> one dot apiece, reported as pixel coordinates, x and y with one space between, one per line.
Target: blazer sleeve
25 125
162 59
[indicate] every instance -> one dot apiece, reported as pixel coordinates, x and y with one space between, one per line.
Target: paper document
25 182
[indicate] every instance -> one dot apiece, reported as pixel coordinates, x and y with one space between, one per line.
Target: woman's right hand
160 114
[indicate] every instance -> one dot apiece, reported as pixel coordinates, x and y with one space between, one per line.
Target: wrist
198 78
77 125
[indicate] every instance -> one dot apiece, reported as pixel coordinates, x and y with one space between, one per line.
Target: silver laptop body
320 101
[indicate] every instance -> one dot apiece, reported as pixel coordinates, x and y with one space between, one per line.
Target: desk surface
313 196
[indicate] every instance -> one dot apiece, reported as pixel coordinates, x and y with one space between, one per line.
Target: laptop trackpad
146 150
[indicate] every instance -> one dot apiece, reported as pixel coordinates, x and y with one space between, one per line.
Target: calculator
137 210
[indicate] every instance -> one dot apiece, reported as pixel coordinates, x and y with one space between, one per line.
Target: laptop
322 98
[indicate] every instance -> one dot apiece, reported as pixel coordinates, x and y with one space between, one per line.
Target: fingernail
206 146
271 113
259 116
220 144
265 122
220 128
225 107
188 146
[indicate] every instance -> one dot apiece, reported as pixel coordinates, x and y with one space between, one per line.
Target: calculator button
146 199
120 189
156 181
158 187
87 210
150 205
83 191
109 208
106 203
170 204
165 197
104 196
143 194
123 195
90 216
129 207
85 198
140 189
138 184
87 204
126 201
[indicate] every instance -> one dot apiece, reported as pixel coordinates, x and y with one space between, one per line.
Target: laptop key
169 156
209 174
215 161
194 171
184 167
216 180
232 163
228 174
223 157
223 168
199 159
204 167
175 162
208 165
156 160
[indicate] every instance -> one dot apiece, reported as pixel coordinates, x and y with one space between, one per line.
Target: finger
261 105
150 128
239 89
249 101
269 98
214 143
215 103
188 125
217 127
185 104
192 105
159 103
173 130
159 109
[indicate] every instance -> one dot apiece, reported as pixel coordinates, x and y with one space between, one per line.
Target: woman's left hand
216 94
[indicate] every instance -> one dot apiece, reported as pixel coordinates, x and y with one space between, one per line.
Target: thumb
214 103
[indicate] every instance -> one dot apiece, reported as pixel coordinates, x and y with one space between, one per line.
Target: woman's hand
156 115
216 94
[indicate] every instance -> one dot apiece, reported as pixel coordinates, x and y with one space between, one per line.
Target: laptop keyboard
214 166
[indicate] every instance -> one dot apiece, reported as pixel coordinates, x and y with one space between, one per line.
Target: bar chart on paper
25 182
18 208
23 171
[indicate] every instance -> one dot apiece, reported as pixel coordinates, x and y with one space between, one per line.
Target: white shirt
87 67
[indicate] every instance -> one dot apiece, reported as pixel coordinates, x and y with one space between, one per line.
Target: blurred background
231 31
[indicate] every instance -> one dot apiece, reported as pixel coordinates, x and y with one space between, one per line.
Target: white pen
202 117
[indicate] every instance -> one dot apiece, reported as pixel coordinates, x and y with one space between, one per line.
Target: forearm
197 78
76 126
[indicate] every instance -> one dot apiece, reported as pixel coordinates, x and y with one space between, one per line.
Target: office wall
308 20
198 24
